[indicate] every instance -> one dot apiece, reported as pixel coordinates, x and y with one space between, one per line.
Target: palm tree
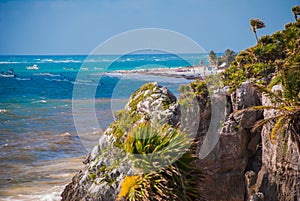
256 24
296 11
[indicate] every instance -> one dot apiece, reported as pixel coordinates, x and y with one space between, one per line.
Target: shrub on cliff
152 147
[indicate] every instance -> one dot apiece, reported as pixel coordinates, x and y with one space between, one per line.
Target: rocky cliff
241 165
245 165
278 178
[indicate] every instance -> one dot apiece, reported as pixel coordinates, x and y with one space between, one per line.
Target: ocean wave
98 68
23 79
48 196
47 74
12 62
39 101
85 83
60 61
57 80
46 60
98 60
38 61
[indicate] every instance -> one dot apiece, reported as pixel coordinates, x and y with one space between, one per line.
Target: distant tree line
224 60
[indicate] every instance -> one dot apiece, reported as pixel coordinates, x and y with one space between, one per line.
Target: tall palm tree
296 11
256 24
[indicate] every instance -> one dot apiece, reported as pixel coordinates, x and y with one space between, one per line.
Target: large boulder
107 165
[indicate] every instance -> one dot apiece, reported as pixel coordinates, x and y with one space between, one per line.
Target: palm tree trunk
254 31
296 17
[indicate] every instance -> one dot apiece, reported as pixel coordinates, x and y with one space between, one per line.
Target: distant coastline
190 72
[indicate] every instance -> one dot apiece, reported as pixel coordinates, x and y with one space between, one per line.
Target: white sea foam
46 60
52 194
39 101
11 62
3 110
43 61
98 68
67 61
23 79
59 61
47 74
100 60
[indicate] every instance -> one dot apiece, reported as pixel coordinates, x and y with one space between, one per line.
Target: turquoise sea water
36 120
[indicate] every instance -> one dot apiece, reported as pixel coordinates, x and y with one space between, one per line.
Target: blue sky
79 26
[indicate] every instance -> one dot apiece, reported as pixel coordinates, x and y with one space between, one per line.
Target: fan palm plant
151 148
286 117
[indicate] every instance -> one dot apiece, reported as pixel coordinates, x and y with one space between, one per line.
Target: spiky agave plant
164 176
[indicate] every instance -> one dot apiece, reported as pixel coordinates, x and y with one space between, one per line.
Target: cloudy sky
78 26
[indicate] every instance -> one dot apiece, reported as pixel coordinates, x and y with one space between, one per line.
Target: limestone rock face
225 165
279 177
106 164
154 103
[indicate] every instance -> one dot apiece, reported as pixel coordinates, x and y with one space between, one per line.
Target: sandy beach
189 73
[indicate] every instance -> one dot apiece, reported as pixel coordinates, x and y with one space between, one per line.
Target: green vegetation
92 176
138 96
152 147
160 155
195 90
275 60
213 58
267 60
227 58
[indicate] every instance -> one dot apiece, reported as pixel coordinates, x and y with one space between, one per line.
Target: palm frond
261 107
255 108
262 122
277 126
